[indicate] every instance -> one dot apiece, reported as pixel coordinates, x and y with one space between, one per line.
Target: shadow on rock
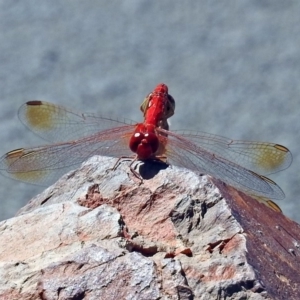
148 169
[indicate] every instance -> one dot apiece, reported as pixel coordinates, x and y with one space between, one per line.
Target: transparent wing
56 123
259 157
39 165
186 150
234 162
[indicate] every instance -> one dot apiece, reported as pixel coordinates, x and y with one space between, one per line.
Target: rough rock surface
176 235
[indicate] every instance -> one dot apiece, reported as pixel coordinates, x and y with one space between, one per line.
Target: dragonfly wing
37 165
183 152
271 204
259 157
56 123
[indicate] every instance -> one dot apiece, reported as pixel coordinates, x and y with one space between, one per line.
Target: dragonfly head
144 142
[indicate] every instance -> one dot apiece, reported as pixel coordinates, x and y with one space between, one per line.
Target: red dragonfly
237 163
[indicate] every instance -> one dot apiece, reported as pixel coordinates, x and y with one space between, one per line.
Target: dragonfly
77 136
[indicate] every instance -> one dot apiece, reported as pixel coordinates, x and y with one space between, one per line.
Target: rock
99 234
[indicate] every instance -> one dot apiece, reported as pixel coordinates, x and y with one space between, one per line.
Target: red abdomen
157 104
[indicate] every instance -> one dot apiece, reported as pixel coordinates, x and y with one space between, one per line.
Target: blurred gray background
233 68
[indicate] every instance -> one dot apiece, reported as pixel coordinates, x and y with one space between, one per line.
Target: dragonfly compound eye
144 145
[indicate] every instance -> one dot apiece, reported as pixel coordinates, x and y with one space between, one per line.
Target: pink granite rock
176 235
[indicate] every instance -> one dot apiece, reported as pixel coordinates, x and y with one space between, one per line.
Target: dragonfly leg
119 161
134 172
